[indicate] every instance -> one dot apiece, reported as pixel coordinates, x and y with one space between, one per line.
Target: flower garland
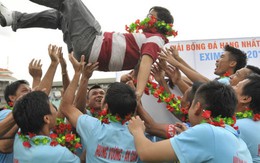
152 25
172 102
248 113
9 105
218 121
106 118
27 139
62 135
227 74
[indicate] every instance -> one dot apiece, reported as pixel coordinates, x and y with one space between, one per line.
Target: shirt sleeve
86 126
69 157
193 144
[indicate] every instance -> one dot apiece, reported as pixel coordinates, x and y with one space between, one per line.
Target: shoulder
4 113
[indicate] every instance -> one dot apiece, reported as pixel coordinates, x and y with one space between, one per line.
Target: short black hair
10 90
29 111
193 90
121 99
252 89
254 69
217 97
238 55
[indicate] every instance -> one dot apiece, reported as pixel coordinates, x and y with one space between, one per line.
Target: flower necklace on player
218 121
248 113
106 117
9 105
62 134
172 102
151 24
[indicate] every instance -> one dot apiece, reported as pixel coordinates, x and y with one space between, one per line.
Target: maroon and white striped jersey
122 51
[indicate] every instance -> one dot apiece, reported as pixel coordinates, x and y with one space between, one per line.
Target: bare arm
64 72
48 77
35 70
81 100
147 150
66 106
159 75
175 75
191 74
143 75
6 124
152 127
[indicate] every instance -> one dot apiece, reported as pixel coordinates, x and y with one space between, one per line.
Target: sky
194 20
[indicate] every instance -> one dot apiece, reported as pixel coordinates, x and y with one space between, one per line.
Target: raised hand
77 66
54 52
136 125
35 68
89 69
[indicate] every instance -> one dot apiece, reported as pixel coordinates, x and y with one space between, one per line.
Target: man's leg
82 26
49 3
51 19
45 19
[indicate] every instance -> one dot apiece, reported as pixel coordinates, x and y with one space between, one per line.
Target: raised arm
48 77
66 105
35 70
147 150
175 76
80 101
152 127
64 72
191 74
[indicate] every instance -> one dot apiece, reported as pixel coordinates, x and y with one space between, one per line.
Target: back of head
237 55
193 90
252 89
29 112
12 88
253 69
121 99
219 98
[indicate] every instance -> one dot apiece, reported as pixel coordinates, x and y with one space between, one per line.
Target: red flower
227 74
256 117
69 137
146 91
168 99
26 144
53 135
69 127
54 143
10 103
184 110
105 120
206 114
103 112
78 145
31 134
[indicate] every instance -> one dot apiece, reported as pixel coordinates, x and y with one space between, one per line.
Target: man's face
240 75
222 64
152 13
239 90
21 91
95 98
